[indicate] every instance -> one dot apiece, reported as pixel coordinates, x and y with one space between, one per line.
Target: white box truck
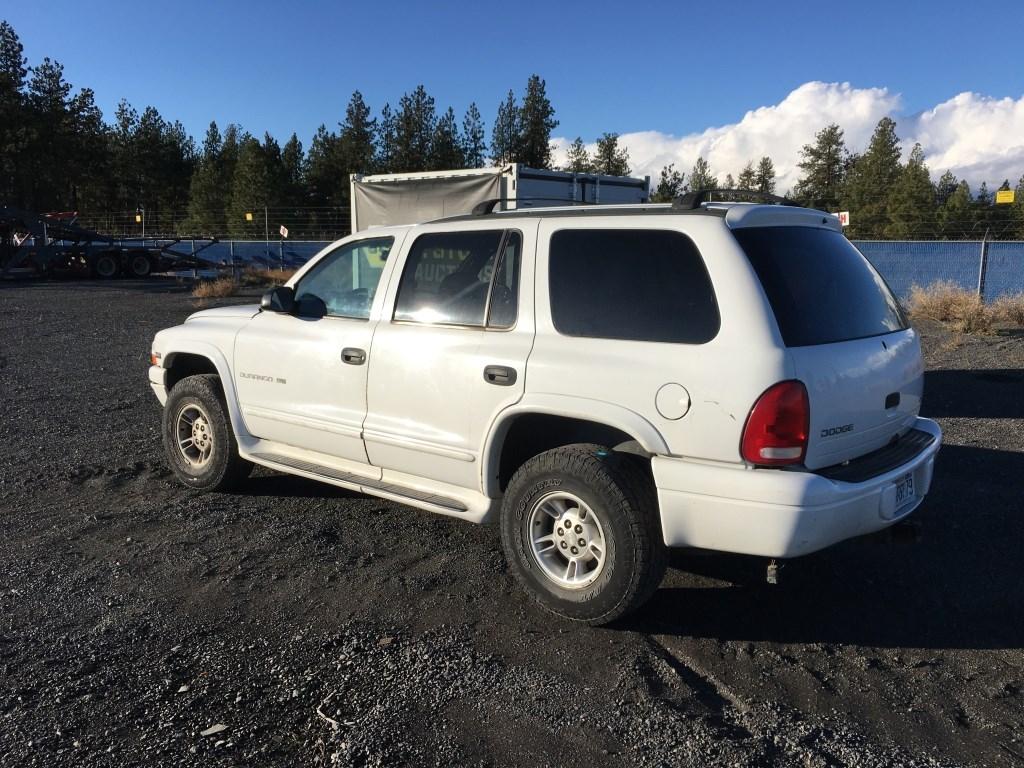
409 198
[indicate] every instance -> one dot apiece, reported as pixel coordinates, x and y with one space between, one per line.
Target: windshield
821 288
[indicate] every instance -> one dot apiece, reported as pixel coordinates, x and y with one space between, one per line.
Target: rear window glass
821 288
643 285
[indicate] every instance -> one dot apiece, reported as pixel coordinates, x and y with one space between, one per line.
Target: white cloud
978 137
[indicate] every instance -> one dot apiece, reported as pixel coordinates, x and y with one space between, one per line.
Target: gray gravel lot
316 627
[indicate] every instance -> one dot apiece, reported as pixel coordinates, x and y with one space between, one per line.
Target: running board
362 481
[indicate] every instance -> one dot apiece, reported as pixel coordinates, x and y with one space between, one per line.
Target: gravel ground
296 623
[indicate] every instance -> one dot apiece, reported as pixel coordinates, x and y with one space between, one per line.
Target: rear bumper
158 381
778 513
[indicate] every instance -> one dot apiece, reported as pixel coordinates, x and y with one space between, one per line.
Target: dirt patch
296 623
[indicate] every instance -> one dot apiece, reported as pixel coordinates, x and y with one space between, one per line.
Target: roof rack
693 200
486 207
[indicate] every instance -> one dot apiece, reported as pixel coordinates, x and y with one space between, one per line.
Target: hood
236 311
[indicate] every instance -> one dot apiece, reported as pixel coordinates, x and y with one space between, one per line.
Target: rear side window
638 284
821 288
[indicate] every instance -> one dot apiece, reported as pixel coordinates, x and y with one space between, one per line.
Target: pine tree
577 158
611 159
945 187
446 144
293 191
89 169
250 191
536 121
983 209
823 168
730 182
357 136
670 185
1001 218
14 125
871 180
748 177
386 137
764 181
206 199
956 217
506 134
701 176
1018 210
49 151
912 203
473 147
325 170
414 129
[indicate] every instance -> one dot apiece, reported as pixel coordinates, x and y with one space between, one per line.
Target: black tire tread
206 388
622 480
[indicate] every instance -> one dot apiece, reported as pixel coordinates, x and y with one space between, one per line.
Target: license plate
905 490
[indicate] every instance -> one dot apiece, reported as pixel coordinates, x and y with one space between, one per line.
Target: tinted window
646 285
346 278
447 278
504 305
821 288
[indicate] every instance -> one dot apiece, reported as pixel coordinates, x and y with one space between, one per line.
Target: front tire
198 440
580 531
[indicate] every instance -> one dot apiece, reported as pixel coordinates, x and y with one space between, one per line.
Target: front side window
461 278
636 284
346 279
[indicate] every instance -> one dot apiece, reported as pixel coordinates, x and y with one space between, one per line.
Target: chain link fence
991 268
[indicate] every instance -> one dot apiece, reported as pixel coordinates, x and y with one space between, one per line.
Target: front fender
220 362
585 409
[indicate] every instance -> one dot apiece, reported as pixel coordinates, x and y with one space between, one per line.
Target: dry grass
1009 309
961 309
258 277
215 289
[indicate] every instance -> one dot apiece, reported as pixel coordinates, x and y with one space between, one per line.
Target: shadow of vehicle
292 487
960 586
978 393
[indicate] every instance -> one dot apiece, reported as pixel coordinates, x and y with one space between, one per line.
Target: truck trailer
409 198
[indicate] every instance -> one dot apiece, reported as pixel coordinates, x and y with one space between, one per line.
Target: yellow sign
138 218
248 216
1004 196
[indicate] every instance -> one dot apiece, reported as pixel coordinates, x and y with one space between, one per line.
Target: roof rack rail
693 200
486 207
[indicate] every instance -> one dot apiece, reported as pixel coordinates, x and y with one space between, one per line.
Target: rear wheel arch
523 434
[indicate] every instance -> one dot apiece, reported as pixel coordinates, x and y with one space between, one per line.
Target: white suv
609 381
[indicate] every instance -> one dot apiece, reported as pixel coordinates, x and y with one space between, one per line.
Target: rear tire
198 440
105 266
140 266
580 530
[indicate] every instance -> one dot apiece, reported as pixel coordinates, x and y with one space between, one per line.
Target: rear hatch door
849 341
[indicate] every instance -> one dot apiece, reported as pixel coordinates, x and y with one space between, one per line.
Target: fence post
983 265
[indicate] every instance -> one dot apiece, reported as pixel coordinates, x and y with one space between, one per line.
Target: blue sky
671 68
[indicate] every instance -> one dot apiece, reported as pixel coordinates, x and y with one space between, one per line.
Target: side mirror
280 299
310 307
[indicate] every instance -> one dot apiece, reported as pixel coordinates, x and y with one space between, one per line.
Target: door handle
353 356
501 375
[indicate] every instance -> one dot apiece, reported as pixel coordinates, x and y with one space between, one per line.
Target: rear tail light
777 427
